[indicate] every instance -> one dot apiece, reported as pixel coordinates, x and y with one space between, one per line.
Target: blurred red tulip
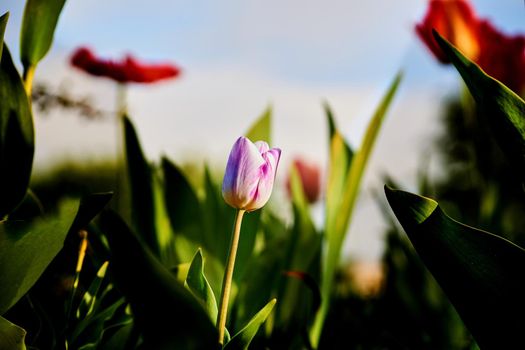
456 21
503 57
310 175
129 70
499 55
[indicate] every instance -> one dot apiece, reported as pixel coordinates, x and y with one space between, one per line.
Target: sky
238 57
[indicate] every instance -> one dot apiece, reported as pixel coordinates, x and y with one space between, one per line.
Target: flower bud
250 174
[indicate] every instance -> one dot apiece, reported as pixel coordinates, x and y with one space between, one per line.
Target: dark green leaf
118 339
504 109
12 337
261 129
199 286
181 201
218 219
480 272
16 137
29 208
90 206
141 188
168 316
91 329
243 339
38 27
26 249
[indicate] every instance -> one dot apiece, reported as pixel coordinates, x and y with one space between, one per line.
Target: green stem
29 74
228 276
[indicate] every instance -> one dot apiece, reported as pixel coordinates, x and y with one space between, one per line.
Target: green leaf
331 121
168 316
118 340
26 249
199 286
3 23
38 27
181 201
91 296
163 229
480 272
141 188
89 207
244 337
12 337
302 255
504 110
91 329
261 129
341 197
16 136
258 286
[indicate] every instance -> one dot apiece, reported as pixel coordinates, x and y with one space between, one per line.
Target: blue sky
333 41
238 57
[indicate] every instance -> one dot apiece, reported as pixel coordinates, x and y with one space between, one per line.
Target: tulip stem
29 74
228 276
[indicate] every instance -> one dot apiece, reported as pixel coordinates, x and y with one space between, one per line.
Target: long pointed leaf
199 286
38 28
504 109
182 202
338 222
169 317
261 129
481 273
141 187
243 339
16 137
26 249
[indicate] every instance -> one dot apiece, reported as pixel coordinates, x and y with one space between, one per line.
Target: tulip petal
266 179
262 146
242 173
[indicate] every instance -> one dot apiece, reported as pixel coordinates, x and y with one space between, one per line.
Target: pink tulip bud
250 174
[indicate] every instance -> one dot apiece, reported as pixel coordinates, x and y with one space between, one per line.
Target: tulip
310 175
456 21
250 173
247 185
503 57
128 70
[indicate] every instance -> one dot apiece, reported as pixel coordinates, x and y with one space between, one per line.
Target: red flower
499 55
129 70
310 175
456 21
503 57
